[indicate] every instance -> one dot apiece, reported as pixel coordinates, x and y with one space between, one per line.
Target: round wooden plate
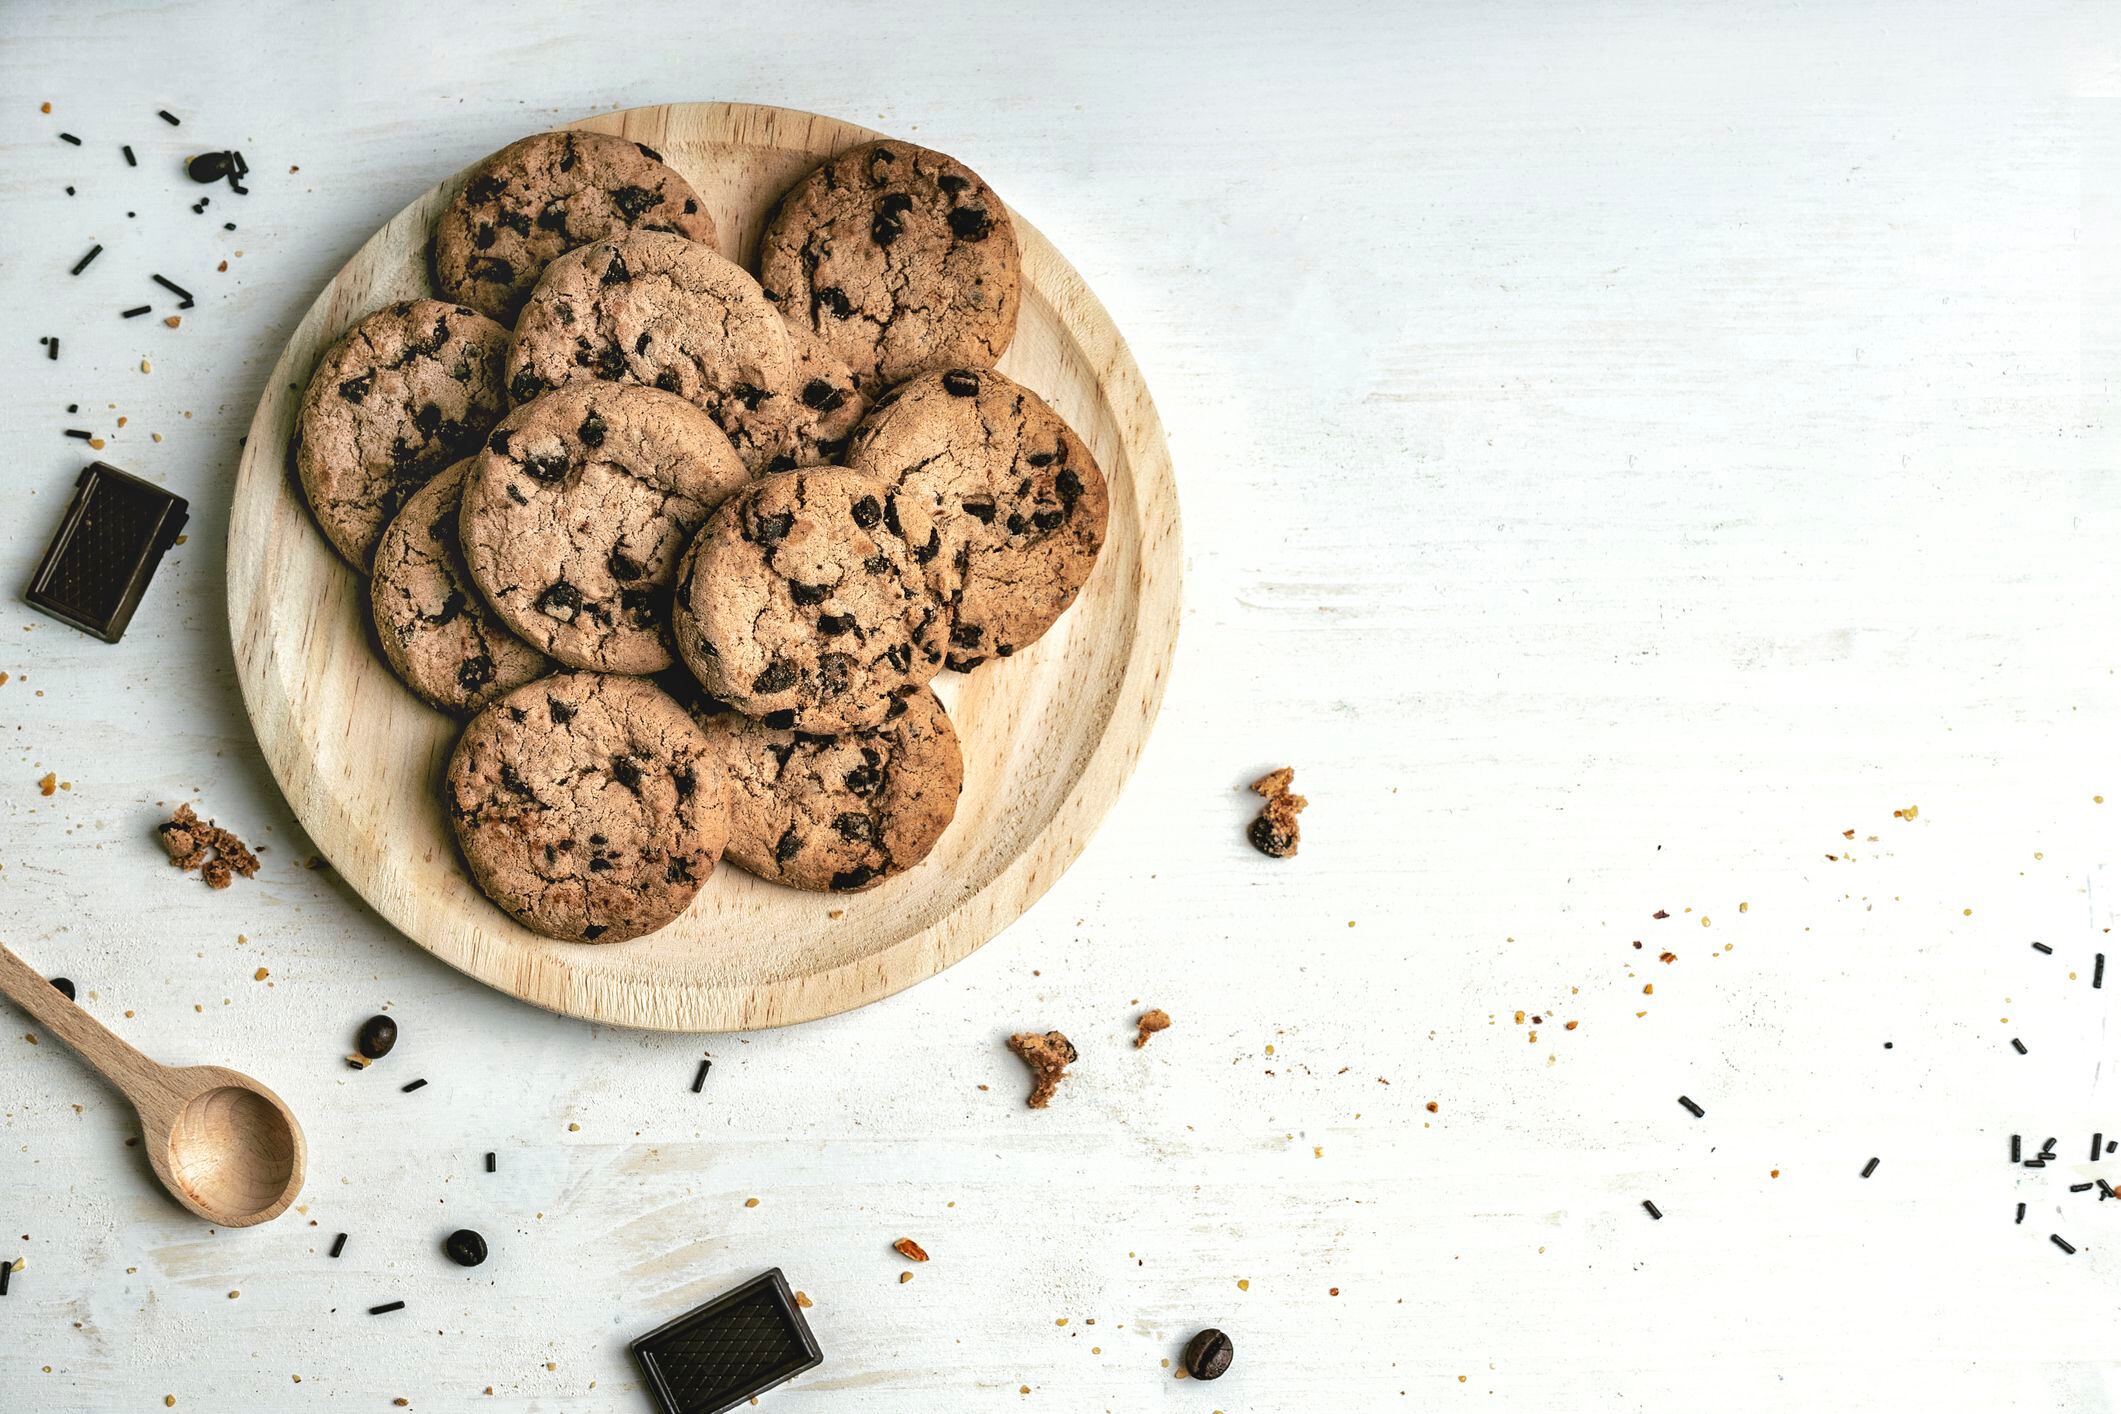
1049 735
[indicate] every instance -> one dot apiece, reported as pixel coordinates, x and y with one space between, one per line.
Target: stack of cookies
688 546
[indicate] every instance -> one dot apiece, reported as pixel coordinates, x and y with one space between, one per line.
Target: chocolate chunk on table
738 1345
108 545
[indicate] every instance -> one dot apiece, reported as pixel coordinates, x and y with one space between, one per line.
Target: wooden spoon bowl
223 1145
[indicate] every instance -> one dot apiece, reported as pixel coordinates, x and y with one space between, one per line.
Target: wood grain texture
1049 735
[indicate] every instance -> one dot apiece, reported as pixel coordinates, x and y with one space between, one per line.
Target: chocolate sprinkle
2017 1045
51 350
5 1268
1693 1109
1651 1208
130 160
699 1079
137 310
2098 1140
489 1161
70 138
174 288
408 1089
2042 947
2098 969
2021 1212
166 116
1870 1168
83 263
78 433
338 1244
2056 1238
2080 1188
2015 1147
386 1306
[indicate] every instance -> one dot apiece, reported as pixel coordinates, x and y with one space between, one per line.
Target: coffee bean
378 1034
467 1249
208 167
1208 1355
65 986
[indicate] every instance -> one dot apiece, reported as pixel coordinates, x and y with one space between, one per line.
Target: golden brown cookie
670 314
410 389
1017 497
577 510
802 602
899 258
437 633
545 195
838 812
587 806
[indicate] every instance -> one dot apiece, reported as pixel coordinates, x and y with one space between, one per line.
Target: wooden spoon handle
139 1078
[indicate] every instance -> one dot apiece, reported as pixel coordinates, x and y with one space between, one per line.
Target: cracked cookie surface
839 812
671 314
576 512
1018 499
407 391
541 197
901 259
802 602
437 633
587 806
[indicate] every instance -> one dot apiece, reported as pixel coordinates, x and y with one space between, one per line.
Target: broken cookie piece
1048 1056
201 845
1152 1021
1274 832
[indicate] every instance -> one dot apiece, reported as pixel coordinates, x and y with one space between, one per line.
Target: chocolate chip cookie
1016 495
899 258
436 632
587 805
577 510
670 314
545 195
838 812
803 603
410 389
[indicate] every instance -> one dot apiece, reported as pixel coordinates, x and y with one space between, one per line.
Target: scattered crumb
802 1299
909 1249
904 1277
1152 1021
1273 832
202 845
1048 1056
1432 1107
260 975
48 783
751 1202
174 320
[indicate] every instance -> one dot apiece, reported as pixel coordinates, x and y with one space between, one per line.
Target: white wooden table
1623 449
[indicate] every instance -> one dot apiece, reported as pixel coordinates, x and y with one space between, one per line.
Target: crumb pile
201 845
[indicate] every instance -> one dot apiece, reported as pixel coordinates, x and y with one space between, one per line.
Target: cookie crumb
1152 1021
909 1249
48 783
201 845
1048 1056
1274 832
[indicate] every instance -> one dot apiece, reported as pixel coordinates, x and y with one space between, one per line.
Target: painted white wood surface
1622 447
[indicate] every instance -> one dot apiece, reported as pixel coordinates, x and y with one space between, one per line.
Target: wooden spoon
223 1145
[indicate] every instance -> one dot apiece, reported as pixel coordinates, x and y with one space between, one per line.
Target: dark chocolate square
740 1344
108 544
